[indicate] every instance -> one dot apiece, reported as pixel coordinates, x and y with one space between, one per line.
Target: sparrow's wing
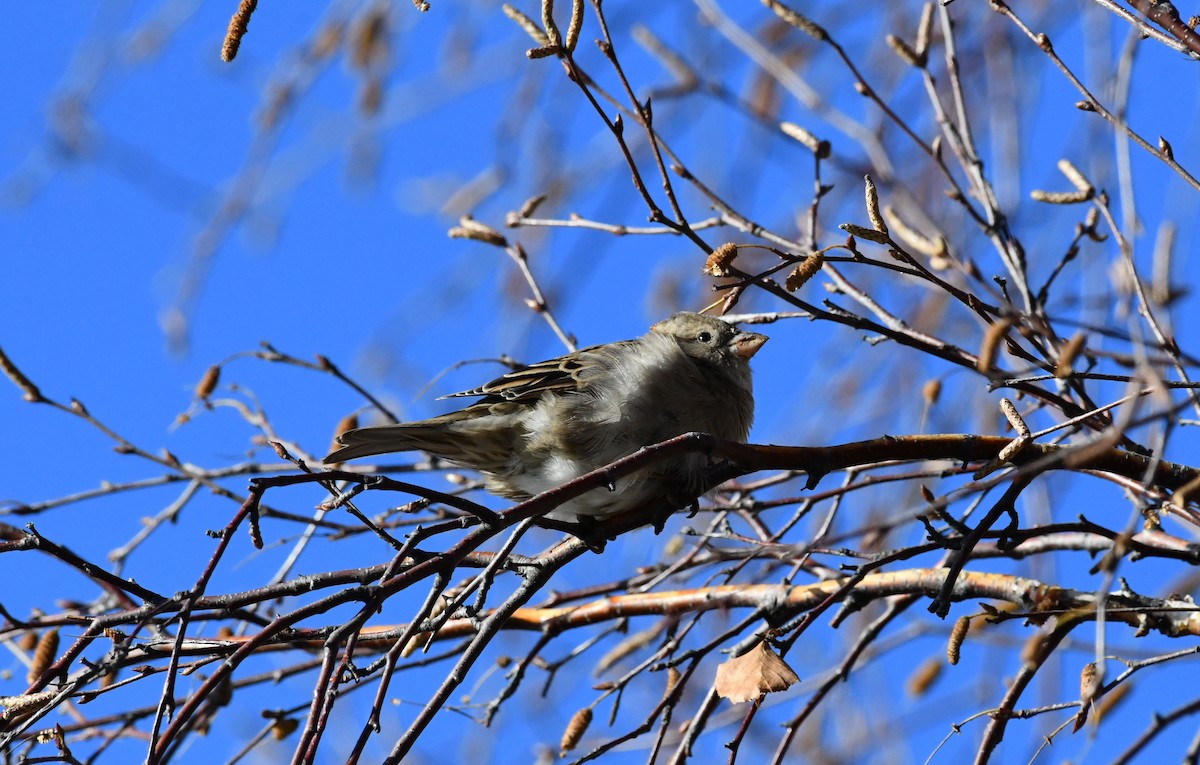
526 385
482 436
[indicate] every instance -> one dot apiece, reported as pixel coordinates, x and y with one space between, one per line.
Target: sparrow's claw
586 529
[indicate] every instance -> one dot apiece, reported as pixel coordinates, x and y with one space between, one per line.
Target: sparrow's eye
704 337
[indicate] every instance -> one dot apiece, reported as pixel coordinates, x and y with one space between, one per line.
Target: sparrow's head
707 339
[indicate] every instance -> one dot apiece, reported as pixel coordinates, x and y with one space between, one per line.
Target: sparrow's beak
746 344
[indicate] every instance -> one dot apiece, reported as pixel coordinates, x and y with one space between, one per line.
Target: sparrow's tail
381 439
441 437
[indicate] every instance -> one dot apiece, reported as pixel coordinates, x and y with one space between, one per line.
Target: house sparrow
538 427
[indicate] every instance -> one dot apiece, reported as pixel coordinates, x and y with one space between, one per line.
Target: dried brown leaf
753 674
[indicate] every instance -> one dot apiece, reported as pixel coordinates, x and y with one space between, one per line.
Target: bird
542 425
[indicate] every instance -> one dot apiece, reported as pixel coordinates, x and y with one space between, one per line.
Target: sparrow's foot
672 504
586 529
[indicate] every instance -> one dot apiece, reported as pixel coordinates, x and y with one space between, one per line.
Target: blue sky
342 251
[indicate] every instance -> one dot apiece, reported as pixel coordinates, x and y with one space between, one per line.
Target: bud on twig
469 228
817 146
873 206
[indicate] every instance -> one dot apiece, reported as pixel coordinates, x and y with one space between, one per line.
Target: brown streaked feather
529 383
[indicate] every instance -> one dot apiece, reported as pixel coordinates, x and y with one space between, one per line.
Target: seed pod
1076 177
1060 197
552 33
1066 357
529 25
1014 417
576 24
807 269
957 636
720 260
43 654
902 49
862 232
283 728
208 383
924 676
238 26
991 345
873 213
932 391
925 30
575 730
469 228
800 22
30 391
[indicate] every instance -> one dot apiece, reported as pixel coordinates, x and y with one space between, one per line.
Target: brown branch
1171 617
1040 648
1166 16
